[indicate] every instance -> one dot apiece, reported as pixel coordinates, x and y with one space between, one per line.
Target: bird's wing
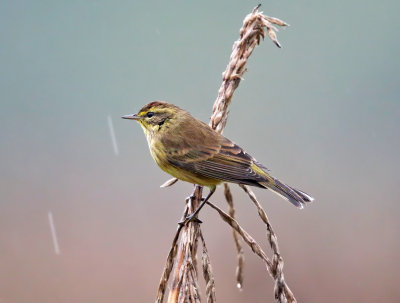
222 160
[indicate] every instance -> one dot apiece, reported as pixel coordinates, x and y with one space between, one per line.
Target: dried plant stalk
239 249
187 280
245 236
252 31
281 289
207 273
184 285
170 262
183 251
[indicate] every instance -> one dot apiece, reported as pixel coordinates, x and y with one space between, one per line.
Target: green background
323 113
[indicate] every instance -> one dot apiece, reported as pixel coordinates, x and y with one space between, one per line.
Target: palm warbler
190 150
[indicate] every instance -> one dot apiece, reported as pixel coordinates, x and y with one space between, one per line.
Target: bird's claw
191 197
190 218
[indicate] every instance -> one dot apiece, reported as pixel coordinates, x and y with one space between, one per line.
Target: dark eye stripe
150 114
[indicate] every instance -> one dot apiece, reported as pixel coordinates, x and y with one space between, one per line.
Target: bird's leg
192 216
191 197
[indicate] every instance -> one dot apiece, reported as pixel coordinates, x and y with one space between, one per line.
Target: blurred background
82 217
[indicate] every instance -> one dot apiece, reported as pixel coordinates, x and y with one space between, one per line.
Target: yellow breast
158 153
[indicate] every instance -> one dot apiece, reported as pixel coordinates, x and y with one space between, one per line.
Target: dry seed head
276 21
272 35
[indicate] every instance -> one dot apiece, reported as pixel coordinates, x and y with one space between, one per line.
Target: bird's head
157 116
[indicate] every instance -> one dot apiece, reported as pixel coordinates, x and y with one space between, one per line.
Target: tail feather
306 197
297 197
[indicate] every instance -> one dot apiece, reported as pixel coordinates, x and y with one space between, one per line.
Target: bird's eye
150 114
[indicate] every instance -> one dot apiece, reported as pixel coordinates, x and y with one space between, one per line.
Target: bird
190 150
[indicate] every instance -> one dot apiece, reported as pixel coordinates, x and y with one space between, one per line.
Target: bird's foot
191 198
190 218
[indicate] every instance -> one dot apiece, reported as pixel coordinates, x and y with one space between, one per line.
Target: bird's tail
297 197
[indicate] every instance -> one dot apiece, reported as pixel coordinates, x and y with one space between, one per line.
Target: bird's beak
131 116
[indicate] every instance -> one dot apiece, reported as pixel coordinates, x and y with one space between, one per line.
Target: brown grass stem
236 239
281 289
207 272
182 255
